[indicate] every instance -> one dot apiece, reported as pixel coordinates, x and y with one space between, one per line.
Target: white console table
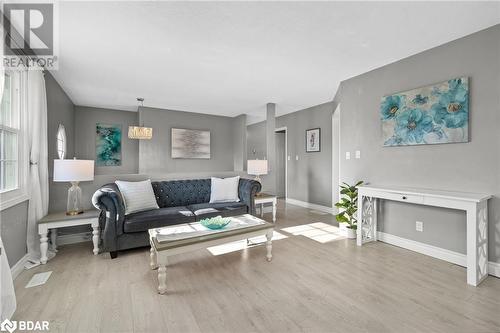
475 205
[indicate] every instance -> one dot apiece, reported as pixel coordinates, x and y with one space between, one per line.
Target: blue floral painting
108 145
429 115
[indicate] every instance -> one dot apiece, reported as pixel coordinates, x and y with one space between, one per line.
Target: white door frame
281 129
336 155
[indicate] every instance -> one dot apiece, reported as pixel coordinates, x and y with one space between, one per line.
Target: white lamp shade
73 170
257 167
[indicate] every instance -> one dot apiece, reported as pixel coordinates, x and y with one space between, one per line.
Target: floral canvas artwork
108 147
429 115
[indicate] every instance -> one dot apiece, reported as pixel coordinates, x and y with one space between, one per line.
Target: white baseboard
18 266
494 268
74 238
304 204
433 251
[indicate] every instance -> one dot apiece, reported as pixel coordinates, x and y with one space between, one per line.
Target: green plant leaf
341 218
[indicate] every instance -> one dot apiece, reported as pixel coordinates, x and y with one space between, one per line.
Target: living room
250 166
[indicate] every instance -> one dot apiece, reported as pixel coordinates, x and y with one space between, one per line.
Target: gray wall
86 119
271 147
472 166
60 110
310 177
239 142
13 222
155 154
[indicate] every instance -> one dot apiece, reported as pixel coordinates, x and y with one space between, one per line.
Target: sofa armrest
109 200
247 189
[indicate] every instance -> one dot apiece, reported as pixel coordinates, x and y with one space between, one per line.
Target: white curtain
38 173
7 293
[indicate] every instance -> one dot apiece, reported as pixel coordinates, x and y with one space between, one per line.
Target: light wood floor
309 286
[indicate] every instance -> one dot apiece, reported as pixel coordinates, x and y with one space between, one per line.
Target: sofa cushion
142 221
223 209
176 193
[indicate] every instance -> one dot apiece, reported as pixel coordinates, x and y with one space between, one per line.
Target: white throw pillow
224 189
137 196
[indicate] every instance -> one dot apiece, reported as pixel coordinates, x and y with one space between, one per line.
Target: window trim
10 198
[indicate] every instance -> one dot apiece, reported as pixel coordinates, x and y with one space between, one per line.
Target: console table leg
477 243
269 245
367 220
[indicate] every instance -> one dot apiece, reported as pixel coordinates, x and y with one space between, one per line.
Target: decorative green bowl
215 223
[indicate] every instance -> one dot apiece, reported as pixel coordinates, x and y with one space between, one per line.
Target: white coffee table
187 237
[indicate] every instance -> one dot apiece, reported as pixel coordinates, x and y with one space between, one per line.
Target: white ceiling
234 57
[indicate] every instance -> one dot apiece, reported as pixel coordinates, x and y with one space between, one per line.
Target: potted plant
348 207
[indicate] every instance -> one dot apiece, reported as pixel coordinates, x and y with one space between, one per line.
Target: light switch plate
296 157
358 154
419 226
289 157
348 155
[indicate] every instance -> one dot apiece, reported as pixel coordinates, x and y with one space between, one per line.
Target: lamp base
74 206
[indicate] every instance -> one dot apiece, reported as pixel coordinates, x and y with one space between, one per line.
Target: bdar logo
8 326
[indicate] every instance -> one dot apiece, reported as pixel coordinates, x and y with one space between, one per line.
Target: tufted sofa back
174 193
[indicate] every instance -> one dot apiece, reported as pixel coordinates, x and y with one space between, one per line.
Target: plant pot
351 233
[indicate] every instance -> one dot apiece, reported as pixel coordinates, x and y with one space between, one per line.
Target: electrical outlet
419 226
347 155
358 154
296 157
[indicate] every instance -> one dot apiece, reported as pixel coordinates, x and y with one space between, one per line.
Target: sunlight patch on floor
318 231
243 244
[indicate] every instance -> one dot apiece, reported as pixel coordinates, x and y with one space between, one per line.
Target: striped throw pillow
137 196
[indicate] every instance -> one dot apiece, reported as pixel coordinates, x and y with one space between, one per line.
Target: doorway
281 161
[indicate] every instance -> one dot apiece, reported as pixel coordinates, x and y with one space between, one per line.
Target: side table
264 198
60 220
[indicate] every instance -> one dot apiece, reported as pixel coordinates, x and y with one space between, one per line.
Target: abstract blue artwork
429 115
108 147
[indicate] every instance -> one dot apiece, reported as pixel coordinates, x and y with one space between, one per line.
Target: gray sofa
180 201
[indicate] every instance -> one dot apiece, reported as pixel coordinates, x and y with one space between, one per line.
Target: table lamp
257 168
74 171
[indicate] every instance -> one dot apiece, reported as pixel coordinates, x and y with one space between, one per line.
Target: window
13 162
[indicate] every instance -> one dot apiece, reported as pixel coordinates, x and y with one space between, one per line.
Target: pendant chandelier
140 132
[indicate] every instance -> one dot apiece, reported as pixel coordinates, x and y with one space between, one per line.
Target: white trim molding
433 251
494 268
19 266
305 204
22 197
